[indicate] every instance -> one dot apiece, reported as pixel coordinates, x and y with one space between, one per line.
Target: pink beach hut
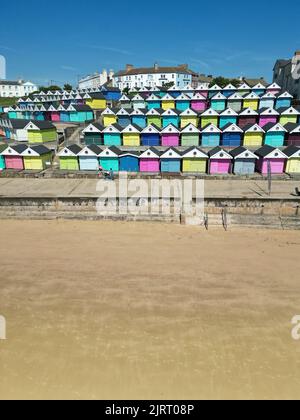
268 116
274 88
150 160
199 102
13 157
270 157
202 90
220 162
54 114
170 136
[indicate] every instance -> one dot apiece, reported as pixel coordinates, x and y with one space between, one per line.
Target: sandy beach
147 311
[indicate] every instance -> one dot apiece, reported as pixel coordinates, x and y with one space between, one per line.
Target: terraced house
150 77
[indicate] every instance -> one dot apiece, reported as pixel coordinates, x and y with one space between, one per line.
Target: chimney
129 67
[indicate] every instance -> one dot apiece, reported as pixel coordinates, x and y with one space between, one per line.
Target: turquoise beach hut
112 135
275 135
170 116
109 159
229 116
218 102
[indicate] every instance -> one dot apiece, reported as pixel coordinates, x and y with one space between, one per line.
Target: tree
68 87
223 81
168 85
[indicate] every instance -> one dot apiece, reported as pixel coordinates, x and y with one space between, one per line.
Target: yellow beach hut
251 101
168 102
289 115
109 117
95 100
293 162
132 135
37 158
194 160
189 116
254 136
210 116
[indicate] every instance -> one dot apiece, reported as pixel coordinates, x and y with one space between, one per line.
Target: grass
8 101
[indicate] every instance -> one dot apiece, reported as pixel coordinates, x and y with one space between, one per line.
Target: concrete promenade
86 188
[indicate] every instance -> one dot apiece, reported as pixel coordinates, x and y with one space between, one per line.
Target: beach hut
54 114
274 88
11 112
93 134
2 159
89 158
109 159
211 136
235 102
259 89
247 117
170 161
220 162
17 130
210 116
170 136
188 90
229 90
153 102
111 93
64 114
244 161
190 136
293 159
203 90
275 135
289 115
68 158
150 136
244 89
270 157
95 100
232 136
150 160
267 116
41 132
251 101
139 101
194 160
13 157
138 117
109 117
293 138
267 101
189 116
80 113
37 158
198 102
174 91
154 117
183 102
254 135
218 102
229 116
125 102
284 100
131 135
168 102
129 162
214 90
170 116
112 135
124 118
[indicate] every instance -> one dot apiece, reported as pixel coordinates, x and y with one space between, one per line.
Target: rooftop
156 69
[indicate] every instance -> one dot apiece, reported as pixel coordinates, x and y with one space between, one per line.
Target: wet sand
146 311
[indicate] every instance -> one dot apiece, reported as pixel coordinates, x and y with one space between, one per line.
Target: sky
61 41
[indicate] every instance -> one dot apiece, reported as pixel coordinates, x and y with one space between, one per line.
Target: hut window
66 151
149 154
191 129
221 155
107 153
86 152
195 154
276 154
247 155
170 154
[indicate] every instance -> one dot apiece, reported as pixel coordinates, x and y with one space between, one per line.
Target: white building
16 89
95 80
287 74
150 77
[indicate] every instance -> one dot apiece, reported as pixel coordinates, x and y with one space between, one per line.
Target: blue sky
62 40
